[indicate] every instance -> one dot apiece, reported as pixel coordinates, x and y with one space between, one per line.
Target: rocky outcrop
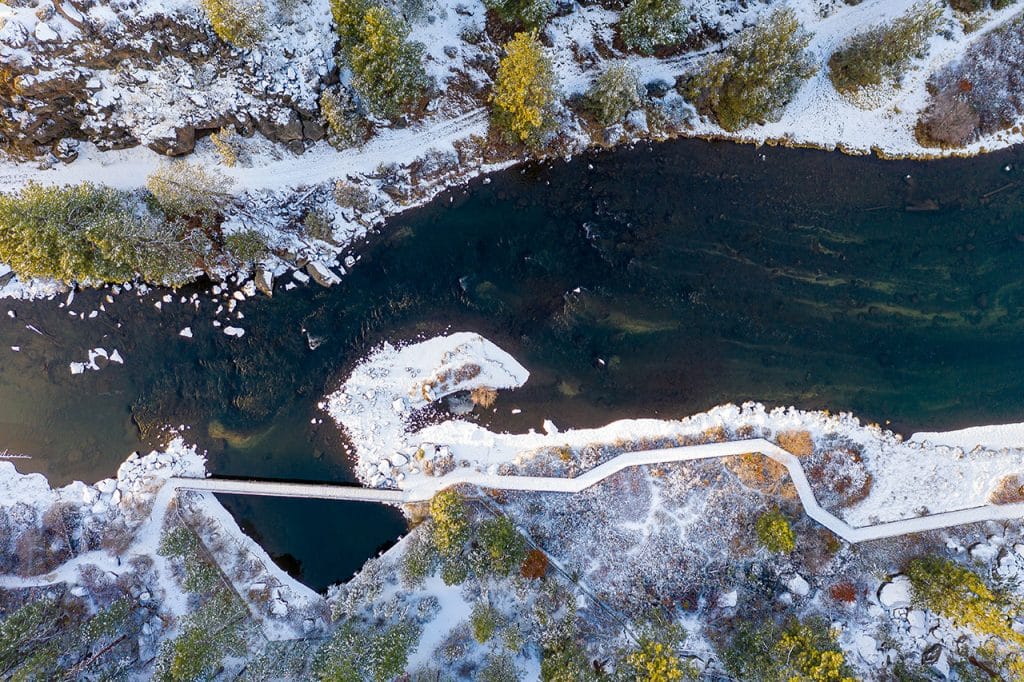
102 73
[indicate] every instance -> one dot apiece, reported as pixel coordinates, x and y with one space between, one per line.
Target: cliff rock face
153 72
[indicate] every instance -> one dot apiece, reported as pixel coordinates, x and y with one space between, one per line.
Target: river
649 281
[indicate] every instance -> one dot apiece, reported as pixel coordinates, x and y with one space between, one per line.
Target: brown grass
797 443
483 397
1009 490
535 566
757 472
715 434
843 592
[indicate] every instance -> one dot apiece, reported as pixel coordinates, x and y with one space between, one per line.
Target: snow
994 437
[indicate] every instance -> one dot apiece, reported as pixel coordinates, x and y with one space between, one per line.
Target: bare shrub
1009 490
483 396
981 93
797 443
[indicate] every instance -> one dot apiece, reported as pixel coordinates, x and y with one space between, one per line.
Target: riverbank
399 168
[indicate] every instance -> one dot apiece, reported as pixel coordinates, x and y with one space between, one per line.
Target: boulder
176 143
896 593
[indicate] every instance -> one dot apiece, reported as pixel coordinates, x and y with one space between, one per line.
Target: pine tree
387 69
646 25
615 93
524 90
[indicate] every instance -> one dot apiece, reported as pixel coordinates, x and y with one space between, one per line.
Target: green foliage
523 14
883 53
247 246
454 571
563 658
646 25
615 93
804 651
348 21
89 233
956 592
503 547
484 621
346 124
655 658
107 622
420 557
376 654
387 69
774 532
451 522
756 76
183 189
498 667
200 576
238 22
24 630
524 90
206 637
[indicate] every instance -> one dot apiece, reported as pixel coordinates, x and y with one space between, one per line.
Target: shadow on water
655 281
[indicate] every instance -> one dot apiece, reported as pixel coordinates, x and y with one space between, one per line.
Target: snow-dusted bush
756 76
88 233
247 246
238 22
978 5
226 142
524 90
646 25
615 93
387 69
883 53
523 14
503 547
801 650
373 654
981 93
186 189
346 123
774 532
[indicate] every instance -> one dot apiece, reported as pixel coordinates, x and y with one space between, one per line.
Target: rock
77 367
238 296
177 142
279 608
45 34
106 486
728 599
313 131
79 591
798 586
300 276
186 332
895 594
451 51
286 127
237 332
116 357
249 289
399 460
867 648
265 281
983 552
398 405
918 621
321 274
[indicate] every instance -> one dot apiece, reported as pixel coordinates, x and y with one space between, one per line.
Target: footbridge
425 488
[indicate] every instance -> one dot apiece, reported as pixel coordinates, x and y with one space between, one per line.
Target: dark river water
654 281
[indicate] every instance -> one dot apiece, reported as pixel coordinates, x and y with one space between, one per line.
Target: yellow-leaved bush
524 90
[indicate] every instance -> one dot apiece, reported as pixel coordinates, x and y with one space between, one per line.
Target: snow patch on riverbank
377 406
382 394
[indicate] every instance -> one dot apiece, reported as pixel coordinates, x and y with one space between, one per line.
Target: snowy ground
275 188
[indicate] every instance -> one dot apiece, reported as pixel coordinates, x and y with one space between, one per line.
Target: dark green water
650 281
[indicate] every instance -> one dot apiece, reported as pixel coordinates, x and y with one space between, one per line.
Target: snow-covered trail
128 169
425 488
